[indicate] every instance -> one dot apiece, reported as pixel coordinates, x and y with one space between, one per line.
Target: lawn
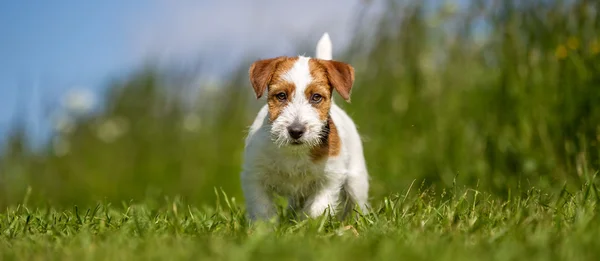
480 126
463 224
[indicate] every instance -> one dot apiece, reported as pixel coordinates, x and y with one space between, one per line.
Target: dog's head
299 95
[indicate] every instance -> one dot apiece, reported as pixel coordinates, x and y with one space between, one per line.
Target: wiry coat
322 168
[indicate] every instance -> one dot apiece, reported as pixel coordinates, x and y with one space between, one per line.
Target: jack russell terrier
301 145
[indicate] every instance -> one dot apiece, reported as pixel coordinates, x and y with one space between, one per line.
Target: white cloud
225 31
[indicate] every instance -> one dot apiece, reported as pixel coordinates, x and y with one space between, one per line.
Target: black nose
296 130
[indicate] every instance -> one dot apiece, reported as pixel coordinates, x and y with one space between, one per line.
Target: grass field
416 225
481 131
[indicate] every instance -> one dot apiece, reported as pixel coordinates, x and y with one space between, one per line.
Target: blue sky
50 47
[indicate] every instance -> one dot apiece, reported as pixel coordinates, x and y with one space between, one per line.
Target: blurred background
118 101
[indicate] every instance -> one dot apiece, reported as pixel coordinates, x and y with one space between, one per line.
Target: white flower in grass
79 100
191 122
111 129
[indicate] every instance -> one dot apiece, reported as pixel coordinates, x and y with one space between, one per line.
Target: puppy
302 145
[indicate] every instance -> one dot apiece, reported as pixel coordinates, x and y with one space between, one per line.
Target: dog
301 145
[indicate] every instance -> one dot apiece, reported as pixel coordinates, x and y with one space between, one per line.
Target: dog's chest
293 175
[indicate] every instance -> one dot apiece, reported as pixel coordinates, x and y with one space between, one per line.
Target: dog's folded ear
261 72
341 77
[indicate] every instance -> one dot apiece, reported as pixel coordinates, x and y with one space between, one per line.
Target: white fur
271 164
299 109
324 48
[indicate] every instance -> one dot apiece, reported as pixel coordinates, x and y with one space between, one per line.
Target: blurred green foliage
500 95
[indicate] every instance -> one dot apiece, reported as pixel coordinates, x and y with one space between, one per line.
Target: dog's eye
316 98
281 96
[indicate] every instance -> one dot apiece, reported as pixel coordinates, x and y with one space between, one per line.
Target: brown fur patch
340 75
275 105
325 104
330 145
319 85
261 72
268 73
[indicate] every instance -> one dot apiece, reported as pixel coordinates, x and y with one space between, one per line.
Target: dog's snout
296 130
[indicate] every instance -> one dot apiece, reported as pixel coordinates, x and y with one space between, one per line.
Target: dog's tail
324 48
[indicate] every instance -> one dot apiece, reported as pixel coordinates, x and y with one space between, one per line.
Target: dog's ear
261 72
341 77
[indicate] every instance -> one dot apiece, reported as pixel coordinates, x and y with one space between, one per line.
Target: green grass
438 101
416 225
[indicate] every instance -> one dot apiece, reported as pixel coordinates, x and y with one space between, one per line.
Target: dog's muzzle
296 130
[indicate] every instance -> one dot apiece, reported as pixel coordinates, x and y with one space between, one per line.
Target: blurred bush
498 95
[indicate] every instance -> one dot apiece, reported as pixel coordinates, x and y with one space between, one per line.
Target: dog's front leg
259 203
327 197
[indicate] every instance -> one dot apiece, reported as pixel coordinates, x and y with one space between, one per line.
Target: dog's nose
296 130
